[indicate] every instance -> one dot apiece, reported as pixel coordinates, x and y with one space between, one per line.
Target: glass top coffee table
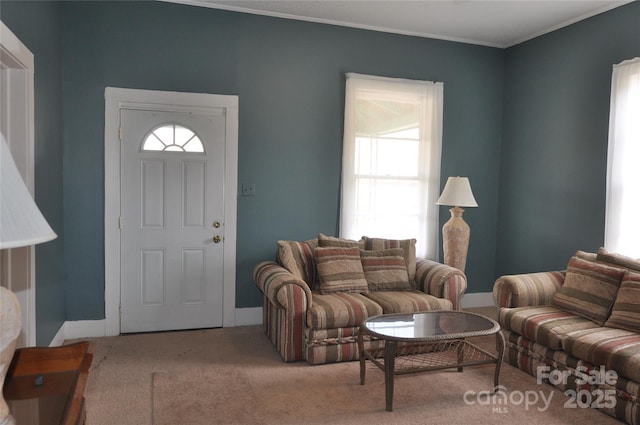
427 341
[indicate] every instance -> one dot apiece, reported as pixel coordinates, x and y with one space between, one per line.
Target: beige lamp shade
21 223
457 193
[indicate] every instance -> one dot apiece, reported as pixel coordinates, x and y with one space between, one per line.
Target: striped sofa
578 329
307 319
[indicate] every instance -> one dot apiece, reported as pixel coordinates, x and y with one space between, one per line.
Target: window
622 228
172 138
391 160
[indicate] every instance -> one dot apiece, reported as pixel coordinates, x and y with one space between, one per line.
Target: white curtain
622 228
391 160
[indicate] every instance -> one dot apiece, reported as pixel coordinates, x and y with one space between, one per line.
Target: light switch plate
248 189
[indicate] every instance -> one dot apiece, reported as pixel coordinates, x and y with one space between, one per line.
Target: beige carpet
235 376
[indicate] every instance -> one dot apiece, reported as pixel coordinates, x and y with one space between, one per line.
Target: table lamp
455 232
21 224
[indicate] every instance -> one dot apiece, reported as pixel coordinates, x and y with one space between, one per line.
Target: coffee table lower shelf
398 358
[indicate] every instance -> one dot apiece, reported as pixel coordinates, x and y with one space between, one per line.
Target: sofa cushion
340 270
408 247
340 310
625 313
589 289
298 258
618 260
615 349
385 270
327 241
408 301
544 324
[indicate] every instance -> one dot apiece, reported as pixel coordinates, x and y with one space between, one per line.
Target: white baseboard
85 329
59 338
253 316
478 299
243 317
248 316
79 329
98 328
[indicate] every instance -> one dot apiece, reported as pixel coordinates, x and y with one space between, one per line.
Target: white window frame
427 97
622 228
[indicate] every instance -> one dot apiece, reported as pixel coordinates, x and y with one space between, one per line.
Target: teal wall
289 77
536 165
23 19
554 143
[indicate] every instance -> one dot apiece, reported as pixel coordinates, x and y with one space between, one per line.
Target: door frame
18 270
120 98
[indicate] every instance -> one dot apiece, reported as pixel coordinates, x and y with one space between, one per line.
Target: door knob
216 224
217 239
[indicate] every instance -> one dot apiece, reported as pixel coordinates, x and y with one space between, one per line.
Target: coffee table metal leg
460 352
363 368
389 366
501 343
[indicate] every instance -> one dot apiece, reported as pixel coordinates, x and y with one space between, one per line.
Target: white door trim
17 106
119 98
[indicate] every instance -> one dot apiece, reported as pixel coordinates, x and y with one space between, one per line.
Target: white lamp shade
457 193
21 222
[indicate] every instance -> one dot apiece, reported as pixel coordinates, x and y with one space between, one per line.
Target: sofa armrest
528 289
441 281
276 282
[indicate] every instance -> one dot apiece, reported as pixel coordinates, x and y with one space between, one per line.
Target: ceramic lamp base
455 237
9 331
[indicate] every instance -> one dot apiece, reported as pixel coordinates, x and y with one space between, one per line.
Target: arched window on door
172 138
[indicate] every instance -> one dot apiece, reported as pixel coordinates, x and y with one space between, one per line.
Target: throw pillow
340 270
297 257
618 260
589 256
325 241
409 251
589 289
385 270
626 310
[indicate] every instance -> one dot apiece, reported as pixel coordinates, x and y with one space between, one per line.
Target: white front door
172 219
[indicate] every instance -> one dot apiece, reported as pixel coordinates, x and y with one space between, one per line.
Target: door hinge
120 222
120 133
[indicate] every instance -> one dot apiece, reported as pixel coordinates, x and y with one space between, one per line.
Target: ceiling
495 23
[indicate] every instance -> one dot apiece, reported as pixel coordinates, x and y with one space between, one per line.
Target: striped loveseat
318 292
578 329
